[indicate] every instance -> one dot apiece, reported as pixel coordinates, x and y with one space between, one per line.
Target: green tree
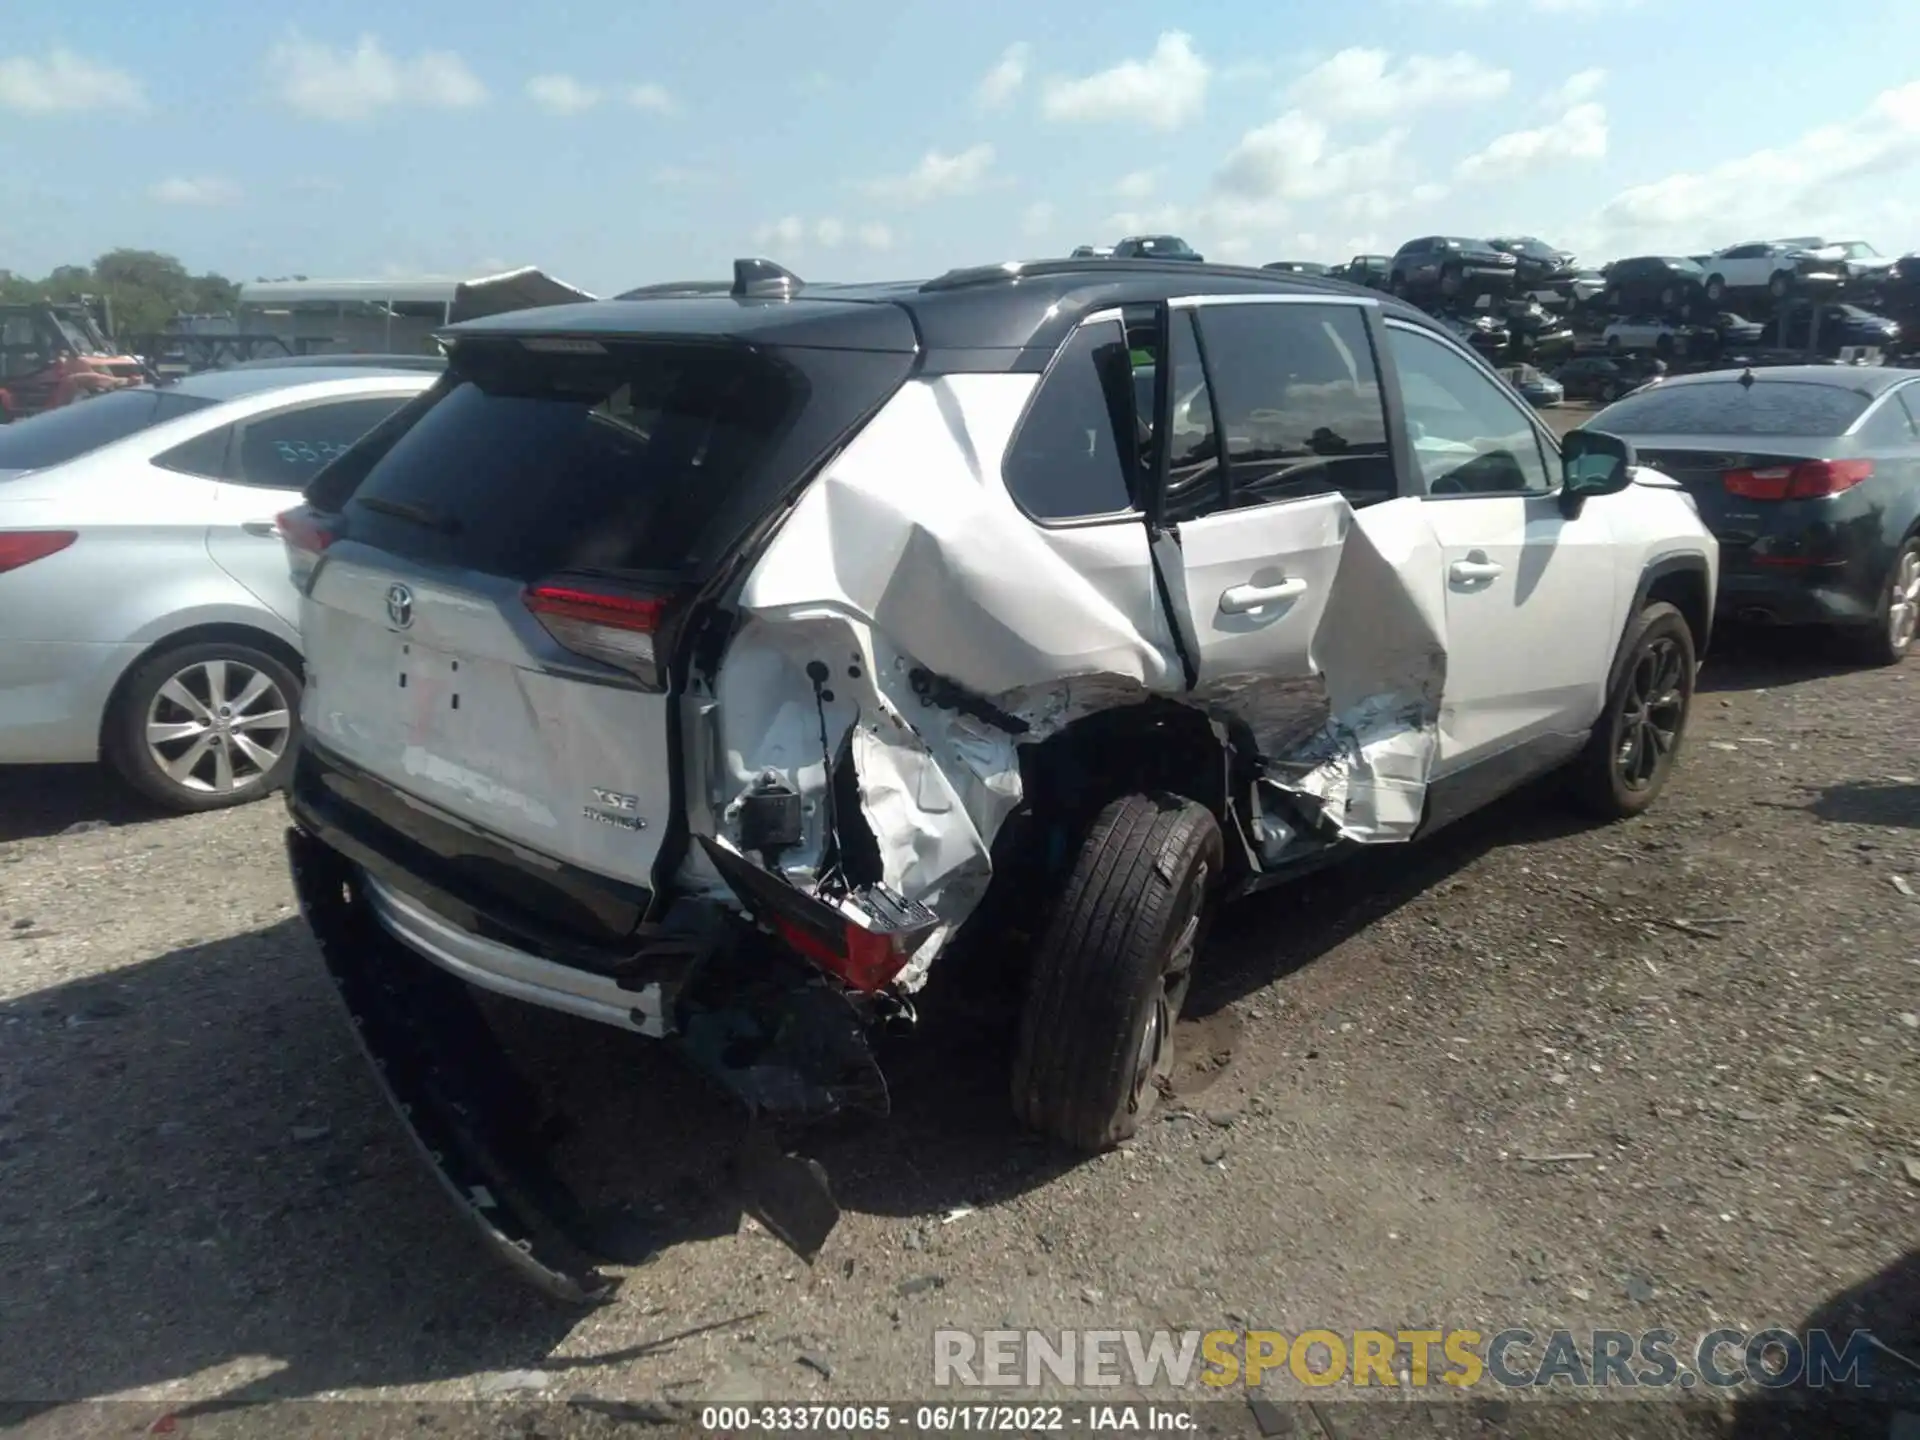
146 288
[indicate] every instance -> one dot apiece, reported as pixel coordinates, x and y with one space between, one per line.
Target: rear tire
1096 1033
1631 752
1887 641
167 736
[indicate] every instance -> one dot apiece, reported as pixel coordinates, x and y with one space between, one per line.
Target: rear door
480 637
263 464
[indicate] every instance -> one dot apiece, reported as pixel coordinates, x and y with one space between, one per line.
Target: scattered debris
1912 1167
1580 1292
1639 1288
816 1363
1910 1020
958 1212
1213 1154
920 1285
25 924
307 1134
86 827
1700 929
1566 1157
1900 884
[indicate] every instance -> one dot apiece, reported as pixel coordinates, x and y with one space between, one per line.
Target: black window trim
1549 442
1372 311
1112 315
240 424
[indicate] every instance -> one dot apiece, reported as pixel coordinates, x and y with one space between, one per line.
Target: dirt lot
201 1194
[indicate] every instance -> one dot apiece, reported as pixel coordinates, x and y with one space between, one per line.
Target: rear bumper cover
1797 595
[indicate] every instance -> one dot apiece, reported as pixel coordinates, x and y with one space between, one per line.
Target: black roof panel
1017 311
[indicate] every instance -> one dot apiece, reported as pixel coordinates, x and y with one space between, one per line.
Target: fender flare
1679 562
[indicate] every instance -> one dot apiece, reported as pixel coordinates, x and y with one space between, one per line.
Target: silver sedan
147 616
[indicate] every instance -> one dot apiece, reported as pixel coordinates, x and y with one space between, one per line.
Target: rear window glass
60 435
1726 407
538 463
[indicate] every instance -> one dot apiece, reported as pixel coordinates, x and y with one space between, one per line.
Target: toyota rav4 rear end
497 586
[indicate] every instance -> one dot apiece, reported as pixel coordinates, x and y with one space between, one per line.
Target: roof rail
763 278
1012 270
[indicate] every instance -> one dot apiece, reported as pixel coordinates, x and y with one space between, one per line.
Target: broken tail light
1808 480
613 627
23 547
864 939
306 539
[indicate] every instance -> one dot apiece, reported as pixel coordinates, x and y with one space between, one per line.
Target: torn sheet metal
527 288
1380 649
909 629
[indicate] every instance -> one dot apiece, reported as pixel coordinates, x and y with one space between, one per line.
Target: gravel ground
202 1195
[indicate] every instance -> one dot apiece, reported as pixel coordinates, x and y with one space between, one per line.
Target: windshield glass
1680 262
1727 407
77 337
1860 250
60 435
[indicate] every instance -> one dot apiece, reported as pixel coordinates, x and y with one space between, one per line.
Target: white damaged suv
704 663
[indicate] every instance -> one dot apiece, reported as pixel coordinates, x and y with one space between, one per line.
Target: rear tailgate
610 475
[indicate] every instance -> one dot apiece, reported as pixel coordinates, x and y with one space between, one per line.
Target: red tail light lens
614 628
1809 480
23 547
867 961
306 539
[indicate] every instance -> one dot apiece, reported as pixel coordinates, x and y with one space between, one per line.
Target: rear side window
1888 425
286 450
536 463
1076 448
1298 399
1727 407
71 431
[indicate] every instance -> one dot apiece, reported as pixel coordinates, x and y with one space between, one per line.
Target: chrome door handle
1242 598
266 529
1468 570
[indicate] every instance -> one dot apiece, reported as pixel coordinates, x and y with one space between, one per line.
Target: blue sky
617 142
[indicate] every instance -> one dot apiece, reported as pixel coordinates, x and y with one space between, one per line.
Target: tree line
146 289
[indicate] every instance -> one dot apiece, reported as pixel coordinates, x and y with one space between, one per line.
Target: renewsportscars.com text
1657 1359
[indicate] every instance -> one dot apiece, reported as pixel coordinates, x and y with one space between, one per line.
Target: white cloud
1003 81
1295 158
1581 86
827 233
1580 134
64 81
562 94
936 177
1162 92
343 85
200 190
1364 84
1037 220
650 96
1136 184
1808 185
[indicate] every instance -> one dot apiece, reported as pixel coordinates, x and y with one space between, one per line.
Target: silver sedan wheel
218 727
1903 606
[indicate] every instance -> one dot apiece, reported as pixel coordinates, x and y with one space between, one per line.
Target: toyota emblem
400 606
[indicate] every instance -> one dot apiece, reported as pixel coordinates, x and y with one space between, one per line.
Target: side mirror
1592 463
